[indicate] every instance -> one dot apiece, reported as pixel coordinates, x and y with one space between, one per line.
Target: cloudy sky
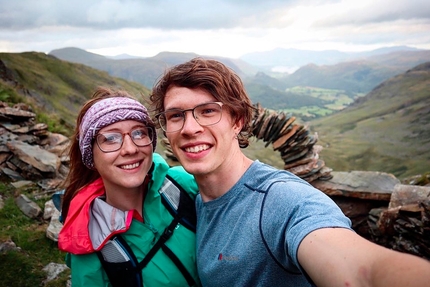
229 28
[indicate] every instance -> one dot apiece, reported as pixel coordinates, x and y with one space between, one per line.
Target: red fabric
74 236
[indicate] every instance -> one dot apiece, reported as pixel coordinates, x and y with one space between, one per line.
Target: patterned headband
106 112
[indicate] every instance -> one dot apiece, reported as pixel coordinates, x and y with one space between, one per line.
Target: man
258 226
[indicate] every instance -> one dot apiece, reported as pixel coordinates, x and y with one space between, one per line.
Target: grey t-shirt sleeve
292 209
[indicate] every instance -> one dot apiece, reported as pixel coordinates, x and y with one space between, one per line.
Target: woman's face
127 167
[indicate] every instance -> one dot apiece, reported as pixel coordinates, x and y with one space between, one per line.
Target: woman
116 186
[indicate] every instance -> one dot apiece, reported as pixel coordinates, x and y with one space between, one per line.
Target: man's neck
219 182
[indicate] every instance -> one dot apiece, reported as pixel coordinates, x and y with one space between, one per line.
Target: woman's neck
128 199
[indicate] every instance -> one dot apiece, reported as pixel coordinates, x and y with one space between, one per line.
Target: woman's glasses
112 141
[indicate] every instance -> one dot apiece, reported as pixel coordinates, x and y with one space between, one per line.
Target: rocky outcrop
28 151
383 209
405 224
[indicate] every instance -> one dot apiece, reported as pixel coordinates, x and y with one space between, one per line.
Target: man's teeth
130 166
197 148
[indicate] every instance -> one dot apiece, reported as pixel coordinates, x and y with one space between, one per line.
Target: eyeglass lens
113 141
205 114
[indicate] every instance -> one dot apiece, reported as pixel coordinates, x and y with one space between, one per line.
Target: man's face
202 150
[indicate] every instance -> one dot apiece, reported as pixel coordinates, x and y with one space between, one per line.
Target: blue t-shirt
275 203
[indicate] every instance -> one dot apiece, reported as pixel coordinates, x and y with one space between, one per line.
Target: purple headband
106 112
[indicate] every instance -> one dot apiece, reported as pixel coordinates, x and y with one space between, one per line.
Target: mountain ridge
375 70
297 58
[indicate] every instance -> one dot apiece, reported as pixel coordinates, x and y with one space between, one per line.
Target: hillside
278 100
387 130
401 58
355 77
352 77
54 86
314 90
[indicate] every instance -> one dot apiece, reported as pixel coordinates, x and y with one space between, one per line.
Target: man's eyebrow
173 108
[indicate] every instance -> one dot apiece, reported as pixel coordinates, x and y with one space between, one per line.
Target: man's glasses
205 114
112 141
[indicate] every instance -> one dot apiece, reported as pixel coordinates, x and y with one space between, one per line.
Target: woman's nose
128 145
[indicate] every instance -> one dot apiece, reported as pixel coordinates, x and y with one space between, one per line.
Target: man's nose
190 122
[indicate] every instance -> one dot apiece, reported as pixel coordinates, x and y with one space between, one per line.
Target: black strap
186 215
186 207
168 232
179 264
122 273
262 234
163 238
267 245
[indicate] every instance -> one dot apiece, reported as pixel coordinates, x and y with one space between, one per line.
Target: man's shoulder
261 176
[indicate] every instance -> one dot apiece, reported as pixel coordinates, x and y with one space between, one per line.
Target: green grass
257 150
54 122
9 95
58 87
24 267
333 100
309 112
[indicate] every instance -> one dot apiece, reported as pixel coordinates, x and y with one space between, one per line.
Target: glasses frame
157 116
151 133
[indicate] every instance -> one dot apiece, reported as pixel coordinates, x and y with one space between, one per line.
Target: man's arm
340 257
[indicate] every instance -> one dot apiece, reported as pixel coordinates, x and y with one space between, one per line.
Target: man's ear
238 125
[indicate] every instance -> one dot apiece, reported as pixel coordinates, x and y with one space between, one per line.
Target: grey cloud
114 14
45 25
382 11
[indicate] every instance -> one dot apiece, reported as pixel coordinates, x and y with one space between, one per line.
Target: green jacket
141 236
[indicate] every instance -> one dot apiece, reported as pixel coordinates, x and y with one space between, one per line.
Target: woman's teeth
130 166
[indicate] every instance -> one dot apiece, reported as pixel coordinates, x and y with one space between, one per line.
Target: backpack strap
179 203
182 207
120 263
168 232
117 255
178 263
